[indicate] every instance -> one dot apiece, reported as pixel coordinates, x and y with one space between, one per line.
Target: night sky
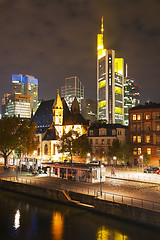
55 39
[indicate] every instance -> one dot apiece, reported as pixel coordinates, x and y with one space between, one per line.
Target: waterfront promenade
134 185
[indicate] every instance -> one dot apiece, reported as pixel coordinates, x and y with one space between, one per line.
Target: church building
53 119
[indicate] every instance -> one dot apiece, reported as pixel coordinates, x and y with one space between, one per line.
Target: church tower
58 114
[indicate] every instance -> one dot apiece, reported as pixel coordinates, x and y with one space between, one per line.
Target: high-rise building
18 105
131 96
4 104
71 89
26 85
89 109
110 83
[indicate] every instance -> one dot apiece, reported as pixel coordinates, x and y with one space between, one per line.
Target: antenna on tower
126 70
102 29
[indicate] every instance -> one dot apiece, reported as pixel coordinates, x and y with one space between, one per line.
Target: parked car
151 169
158 171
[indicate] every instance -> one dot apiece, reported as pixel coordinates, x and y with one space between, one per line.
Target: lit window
138 117
134 138
149 151
158 127
148 139
139 139
139 151
53 149
134 117
102 141
147 116
158 151
158 116
135 151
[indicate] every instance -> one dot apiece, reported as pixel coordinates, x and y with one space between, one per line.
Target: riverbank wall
130 213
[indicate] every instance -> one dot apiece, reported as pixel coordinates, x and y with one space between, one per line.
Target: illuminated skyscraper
26 85
110 83
18 105
72 88
131 96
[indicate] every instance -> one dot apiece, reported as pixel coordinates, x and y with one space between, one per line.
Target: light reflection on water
57 226
17 219
103 233
29 218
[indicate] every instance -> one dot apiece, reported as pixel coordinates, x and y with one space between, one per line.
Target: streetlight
114 159
142 162
100 178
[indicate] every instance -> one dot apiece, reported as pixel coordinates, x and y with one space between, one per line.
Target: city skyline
53 41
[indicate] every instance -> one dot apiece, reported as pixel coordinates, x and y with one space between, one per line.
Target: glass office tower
26 85
110 83
72 88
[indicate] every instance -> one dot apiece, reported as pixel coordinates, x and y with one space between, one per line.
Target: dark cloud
57 39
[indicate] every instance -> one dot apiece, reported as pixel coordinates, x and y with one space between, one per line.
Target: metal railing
117 198
148 178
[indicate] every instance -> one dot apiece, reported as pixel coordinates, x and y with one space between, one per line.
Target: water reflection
17 219
57 226
103 233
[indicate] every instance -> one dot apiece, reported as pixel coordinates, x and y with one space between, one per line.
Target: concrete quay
121 211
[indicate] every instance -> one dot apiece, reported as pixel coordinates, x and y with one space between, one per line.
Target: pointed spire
102 29
58 102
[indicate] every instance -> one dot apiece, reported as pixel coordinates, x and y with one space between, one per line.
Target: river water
27 218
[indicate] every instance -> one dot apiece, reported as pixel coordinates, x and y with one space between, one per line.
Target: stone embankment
122 211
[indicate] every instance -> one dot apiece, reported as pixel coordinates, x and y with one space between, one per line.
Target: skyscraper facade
26 85
18 105
131 96
110 83
89 109
72 88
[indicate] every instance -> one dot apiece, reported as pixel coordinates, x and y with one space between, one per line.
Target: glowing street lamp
141 157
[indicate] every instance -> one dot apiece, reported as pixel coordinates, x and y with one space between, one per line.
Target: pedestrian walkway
134 176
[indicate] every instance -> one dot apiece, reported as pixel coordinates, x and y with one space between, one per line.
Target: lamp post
100 178
114 160
142 162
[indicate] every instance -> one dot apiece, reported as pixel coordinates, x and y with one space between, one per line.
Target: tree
114 149
82 145
16 134
146 158
122 151
67 143
27 136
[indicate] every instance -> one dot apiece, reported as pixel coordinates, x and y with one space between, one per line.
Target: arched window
46 149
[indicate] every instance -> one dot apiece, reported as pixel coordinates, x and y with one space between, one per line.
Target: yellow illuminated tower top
58 110
100 46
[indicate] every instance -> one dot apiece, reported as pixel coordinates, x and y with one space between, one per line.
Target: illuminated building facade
110 83
4 105
72 88
131 96
26 85
144 131
53 119
89 109
18 105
